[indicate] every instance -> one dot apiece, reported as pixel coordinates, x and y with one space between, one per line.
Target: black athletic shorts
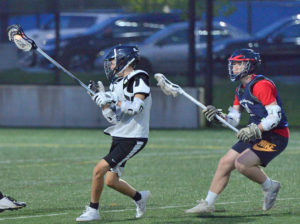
267 148
123 149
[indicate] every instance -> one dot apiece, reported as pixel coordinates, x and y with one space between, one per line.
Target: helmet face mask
242 63
118 59
239 70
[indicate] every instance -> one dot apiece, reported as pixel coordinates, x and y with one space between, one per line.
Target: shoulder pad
136 72
256 80
259 78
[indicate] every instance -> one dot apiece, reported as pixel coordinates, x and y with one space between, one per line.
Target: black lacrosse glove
210 113
93 86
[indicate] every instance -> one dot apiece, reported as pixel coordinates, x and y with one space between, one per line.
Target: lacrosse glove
210 113
96 87
103 98
249 133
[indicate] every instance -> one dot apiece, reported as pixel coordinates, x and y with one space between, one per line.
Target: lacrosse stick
24 43
170 88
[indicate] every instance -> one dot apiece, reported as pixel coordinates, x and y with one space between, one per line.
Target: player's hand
104 98
111 97
249 133
210 112
99 99
96 87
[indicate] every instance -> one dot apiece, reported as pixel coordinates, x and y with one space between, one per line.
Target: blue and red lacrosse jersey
258 93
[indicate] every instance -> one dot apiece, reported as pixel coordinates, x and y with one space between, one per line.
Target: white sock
211 198
267 184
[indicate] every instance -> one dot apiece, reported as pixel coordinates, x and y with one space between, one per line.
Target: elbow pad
109 115
273 118
134 107
233 117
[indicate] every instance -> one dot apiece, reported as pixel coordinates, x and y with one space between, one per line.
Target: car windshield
71 22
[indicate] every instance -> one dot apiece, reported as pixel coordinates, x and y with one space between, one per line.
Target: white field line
185 206
145 153
32 216
133 209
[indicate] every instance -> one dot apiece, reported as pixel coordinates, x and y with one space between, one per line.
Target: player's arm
272 119
133 107
266 93
234 115
109 114
141 90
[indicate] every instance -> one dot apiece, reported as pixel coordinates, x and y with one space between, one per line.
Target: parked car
79 52
70 23
167 50
278 45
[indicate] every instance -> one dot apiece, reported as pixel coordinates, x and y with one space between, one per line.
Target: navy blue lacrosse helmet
249 58
124 56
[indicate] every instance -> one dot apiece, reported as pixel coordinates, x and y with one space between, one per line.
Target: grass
51 170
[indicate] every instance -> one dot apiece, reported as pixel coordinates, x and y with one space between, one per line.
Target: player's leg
261 153
222 174
112 180
218 184
98 180
8 203
248 164
92 211
123 150
140 198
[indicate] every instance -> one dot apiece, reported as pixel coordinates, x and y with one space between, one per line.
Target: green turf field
51 170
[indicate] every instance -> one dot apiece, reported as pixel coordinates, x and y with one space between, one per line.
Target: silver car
166 51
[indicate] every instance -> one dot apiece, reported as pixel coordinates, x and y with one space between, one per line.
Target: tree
223 7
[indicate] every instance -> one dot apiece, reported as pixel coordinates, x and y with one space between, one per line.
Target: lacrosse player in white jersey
127 106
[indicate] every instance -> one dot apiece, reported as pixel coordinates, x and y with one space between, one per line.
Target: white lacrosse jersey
132 126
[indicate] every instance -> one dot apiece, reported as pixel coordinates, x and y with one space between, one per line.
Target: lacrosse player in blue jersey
127 106
8 203
261 141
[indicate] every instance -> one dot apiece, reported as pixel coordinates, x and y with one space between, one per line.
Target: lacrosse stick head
17 35
167 86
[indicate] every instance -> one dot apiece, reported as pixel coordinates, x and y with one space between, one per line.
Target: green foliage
221 7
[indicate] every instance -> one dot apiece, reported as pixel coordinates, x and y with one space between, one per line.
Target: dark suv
79 52
278 44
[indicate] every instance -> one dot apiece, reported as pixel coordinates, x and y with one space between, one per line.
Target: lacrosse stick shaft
65 70
204 107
